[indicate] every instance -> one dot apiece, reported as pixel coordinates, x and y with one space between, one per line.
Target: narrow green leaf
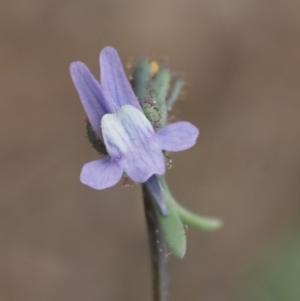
173 228
174 91
160 86
196 221
141 76
189 218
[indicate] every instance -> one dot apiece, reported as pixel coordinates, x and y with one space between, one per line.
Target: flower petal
131 141
114 80
95 103
101 173
155 189
177 136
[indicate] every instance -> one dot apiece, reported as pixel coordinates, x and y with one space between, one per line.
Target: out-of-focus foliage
277 278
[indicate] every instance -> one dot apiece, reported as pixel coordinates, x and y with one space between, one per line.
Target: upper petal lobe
93 99
114 80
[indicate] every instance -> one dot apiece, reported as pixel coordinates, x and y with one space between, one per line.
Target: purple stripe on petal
131 141
101 173
114 80
177 136
154 187
95 103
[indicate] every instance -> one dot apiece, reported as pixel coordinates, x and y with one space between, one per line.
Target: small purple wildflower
117 118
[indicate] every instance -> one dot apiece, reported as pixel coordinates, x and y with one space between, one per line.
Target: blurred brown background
60 240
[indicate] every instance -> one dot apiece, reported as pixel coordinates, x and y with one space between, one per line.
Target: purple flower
116 116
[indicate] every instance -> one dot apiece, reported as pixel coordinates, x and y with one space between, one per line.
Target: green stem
158 250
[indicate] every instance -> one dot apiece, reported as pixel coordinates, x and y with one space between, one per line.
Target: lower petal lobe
102 173
177 136
130 140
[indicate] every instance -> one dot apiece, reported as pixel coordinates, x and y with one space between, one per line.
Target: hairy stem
158 250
